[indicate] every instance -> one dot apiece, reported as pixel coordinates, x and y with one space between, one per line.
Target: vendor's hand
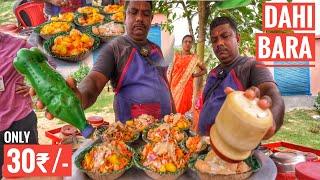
203 71
71 82
22 88
59 3
265 102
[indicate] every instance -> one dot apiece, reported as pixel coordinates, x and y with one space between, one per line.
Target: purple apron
213 104
142 88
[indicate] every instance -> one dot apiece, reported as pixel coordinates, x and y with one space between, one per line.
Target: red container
68 130
286 176
310 153
54 135
308 171
285 146
96 121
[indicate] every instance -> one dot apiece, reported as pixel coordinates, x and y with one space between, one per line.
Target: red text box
288 16
285 47
37 160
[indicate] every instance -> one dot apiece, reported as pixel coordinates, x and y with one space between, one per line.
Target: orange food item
119 131
107 157
163 157
55 27
178 121
73 44
119 17
113 8
164 132
88 10
68 16
195 144
90 19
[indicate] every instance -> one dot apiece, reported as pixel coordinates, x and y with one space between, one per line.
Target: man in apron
135 67
239 73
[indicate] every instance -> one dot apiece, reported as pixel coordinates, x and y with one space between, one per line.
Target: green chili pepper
51 88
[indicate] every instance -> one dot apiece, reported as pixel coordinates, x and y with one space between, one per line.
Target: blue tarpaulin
155 35
293 80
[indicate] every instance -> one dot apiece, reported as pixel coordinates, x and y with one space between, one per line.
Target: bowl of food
211 167
107 31
85 21
118 17
75 141
73 46
87 10
177 121
163 132
163 160
53 28
107 160
68 16
195 144
119 131
142 122
114 8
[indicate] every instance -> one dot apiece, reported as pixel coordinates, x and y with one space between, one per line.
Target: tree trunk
198 83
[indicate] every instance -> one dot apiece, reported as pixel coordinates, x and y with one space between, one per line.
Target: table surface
268 170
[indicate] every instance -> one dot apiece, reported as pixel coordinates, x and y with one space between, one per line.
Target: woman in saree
181 75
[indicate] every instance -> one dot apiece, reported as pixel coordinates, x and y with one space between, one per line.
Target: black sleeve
105 63
259 74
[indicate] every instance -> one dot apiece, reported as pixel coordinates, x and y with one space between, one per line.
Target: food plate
198 145
111 9
53 28
79 162
163 132
48 44
142 122
88 10
178 121
119 131
68 16
167 173
252 162
107 31
85 21
118 17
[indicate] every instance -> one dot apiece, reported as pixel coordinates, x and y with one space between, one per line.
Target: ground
103 107
6 12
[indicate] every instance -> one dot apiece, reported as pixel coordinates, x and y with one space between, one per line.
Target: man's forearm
90 88
277 107
87 98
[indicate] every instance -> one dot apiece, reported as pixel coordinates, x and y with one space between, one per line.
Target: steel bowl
286 161
266 151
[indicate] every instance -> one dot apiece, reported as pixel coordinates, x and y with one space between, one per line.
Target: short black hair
223 20
128 1
188 35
